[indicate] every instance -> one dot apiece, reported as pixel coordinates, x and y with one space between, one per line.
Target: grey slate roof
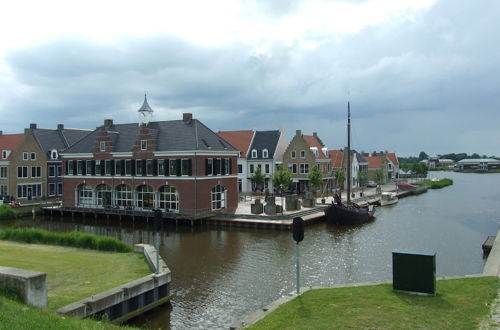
175 135
58 139
264 140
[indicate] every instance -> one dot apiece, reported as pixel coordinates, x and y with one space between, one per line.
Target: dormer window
265 153
144 144
102 146
5 154
53 154
254 153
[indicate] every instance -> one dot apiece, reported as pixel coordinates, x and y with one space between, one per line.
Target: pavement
492 268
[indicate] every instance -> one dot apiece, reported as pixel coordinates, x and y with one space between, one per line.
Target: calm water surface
220 275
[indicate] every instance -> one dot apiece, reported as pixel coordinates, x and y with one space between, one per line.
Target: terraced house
8 146
179 166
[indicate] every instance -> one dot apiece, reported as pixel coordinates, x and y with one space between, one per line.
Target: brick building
179 166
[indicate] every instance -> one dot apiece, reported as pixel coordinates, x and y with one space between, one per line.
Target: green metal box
414 272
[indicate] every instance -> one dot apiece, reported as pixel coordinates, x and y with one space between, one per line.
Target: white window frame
4 172
302 154
5 154
53 186
53 154
293 154
23 176
53 168
218 197
254 153
144 144
33 155
265 153
102 146
26 155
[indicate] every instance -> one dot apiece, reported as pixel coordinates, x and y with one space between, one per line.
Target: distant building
358 163
179 166
387 162
9 143
481 164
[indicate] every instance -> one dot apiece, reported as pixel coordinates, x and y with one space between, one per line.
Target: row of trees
417 169
453 156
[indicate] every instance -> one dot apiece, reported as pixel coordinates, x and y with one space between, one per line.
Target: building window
52 171
138 167
107 167
3 190
149 167
103 195
267 168
88 167
265 153
209 170
254 153
69 167
53 154
169 199
252 168
218 197
59 189
240 168
3 171
124 195
293 155
52 189
128 167
29 191
5 154
186 166
102 146
98 167
302 154
26 155
145 197
144 144
118 167
304 168
294 168
33 156
226 166
59 170
161 167
85 195
22 172
173 167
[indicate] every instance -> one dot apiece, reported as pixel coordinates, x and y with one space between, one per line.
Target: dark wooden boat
348 213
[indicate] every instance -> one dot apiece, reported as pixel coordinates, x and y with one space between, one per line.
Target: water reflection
220 275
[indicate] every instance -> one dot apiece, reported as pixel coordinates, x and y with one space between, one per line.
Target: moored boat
388 198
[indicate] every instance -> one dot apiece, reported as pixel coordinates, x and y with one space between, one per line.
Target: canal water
220 275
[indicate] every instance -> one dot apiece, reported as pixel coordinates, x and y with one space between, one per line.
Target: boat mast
348 152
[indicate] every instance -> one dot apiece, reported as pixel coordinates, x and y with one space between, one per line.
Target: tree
362 179
315 178
379 176
282 180
339 177
258 178
422 155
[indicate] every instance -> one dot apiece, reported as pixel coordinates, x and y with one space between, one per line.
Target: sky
420 75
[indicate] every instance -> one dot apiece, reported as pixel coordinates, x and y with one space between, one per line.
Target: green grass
459 304
74 274
436 184
74 239
7 212
17 316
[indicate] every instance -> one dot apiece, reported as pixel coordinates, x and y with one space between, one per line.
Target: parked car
14 204
371 184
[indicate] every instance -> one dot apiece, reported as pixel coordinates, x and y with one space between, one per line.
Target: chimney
186 117
298 132
108 122
60 127
1 132
315 134
32 126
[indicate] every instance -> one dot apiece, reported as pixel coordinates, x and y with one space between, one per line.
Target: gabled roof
241 140
10 142
58 139
174 135
336 157
314 142
374 162
392 157
264 140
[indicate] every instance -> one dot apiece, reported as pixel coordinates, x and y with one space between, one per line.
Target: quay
488 244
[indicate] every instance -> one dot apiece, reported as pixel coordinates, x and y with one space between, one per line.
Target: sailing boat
348 213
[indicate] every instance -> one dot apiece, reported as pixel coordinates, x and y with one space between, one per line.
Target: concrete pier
30 285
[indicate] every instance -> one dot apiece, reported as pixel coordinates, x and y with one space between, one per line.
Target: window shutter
84 167
190 167
223 167
144 169
178 165
167 167
206 166
230 166
122 167
155 167
74 167
132 167
112 167
92 170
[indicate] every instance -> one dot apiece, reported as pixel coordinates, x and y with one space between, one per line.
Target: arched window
145 197
85 195
265 153
218 197
103 195
254 153
169 199
124 195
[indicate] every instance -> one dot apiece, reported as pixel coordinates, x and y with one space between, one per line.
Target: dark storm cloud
430 83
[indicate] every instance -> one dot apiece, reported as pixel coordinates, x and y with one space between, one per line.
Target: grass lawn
74 274
15 315
459 304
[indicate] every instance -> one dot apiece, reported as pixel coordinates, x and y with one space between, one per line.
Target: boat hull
347 216
385 202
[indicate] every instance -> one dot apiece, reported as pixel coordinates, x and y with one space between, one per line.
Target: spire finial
145 111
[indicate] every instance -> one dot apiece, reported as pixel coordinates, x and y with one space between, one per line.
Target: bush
437 184
6 212
73 239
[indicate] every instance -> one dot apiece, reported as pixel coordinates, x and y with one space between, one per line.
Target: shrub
73 239
6 212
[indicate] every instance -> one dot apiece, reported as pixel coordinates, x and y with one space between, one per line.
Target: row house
387 162
479 164
257 149
338 159
32 170
302 154
9 143
178 166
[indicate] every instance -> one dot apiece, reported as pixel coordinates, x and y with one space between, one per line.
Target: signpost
298 236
